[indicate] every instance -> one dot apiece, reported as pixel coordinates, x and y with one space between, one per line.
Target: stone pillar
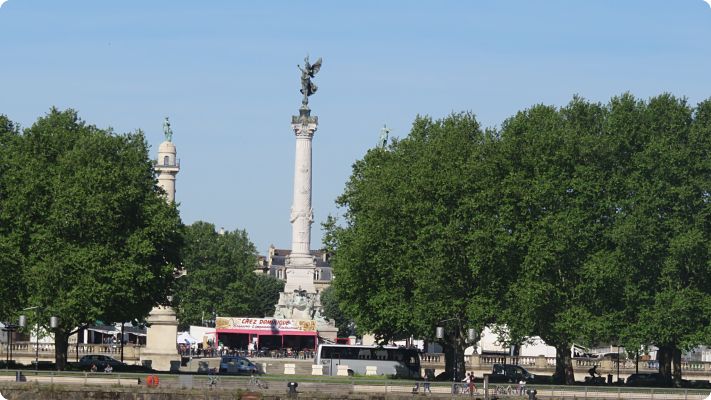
474 361
541 362
316 369
161 346
167 166
301 264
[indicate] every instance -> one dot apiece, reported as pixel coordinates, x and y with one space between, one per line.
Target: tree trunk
453 354
664 356
563 366
676 360
61 346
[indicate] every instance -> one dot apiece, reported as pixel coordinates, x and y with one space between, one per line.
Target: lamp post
23 323
10 328
54 324
439 333
618 363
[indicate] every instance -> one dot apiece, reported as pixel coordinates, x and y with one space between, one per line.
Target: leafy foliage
589 223
220 278
663 234
92 234
332 310
408 256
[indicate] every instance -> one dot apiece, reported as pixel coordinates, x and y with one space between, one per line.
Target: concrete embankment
40 392
33 391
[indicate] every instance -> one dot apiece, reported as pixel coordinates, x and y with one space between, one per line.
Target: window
166 160
317 274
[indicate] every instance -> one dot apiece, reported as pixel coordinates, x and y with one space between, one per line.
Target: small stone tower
161 352
167 165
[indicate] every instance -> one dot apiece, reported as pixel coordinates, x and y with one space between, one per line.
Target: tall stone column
161 347
300 263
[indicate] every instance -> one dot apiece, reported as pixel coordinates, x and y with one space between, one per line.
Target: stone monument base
329 332
161 345
301 305
298 279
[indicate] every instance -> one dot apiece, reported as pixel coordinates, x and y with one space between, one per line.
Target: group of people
425 386
469 383
108 369
468 386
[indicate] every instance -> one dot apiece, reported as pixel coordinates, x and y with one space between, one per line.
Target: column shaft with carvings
301 264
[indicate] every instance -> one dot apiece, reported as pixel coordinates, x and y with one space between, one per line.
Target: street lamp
54 324
10 328
471 335
23 323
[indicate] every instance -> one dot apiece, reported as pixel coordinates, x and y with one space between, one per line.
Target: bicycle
258 383
463 388
212 378
504 390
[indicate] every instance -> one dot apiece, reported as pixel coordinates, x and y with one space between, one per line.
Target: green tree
220 277
558 205
589 223
10 255
411 252
94 235
663 230
265 295
332 310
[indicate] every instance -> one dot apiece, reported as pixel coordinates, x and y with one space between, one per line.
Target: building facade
274 264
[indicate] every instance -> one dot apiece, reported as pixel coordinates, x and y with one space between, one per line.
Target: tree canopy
414 249
332 310
577 224
88 231
220 277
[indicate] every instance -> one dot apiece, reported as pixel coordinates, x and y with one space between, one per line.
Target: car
510 373
647 380
100 360
236 365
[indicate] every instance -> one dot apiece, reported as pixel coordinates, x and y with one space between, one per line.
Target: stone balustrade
546 365
46 350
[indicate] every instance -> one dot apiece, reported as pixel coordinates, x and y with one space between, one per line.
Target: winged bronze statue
307 86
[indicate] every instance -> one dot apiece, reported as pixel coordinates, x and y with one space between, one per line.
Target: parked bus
389 360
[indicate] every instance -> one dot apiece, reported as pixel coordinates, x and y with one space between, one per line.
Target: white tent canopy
185 338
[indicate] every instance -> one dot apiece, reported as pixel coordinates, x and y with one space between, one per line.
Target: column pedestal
161 346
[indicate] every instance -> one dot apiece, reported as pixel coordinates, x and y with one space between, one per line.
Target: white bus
388 360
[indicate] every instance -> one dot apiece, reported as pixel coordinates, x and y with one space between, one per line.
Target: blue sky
225 73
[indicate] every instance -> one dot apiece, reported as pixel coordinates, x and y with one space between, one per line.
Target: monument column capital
304 125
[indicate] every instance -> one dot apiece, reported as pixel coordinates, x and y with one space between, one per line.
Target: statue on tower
167 131
383 140
307 86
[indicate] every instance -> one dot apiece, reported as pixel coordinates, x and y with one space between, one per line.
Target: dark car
101 361
510 373
237 365
646 380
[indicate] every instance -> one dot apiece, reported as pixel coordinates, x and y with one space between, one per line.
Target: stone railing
524 361
46 350
542 363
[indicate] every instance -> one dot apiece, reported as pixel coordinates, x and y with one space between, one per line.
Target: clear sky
225 73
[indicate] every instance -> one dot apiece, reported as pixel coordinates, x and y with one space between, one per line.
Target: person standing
470 384
426 385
